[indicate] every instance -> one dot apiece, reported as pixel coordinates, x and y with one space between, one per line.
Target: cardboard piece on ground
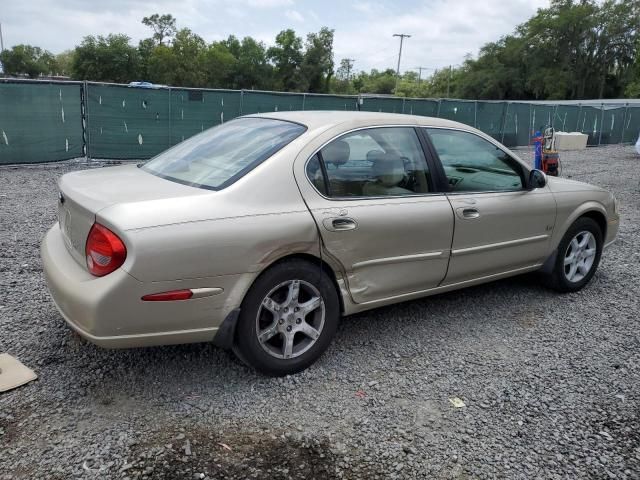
13 373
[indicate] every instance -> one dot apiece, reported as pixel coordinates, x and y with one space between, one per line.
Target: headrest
336 152
389 169
373 155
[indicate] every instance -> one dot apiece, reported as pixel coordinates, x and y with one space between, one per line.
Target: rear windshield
218 157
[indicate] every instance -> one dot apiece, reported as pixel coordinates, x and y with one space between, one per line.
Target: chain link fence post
87 121
505 116
624 123
601 123
475 115
170 121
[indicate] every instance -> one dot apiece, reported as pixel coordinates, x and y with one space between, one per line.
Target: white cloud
294 15
443 31
269 3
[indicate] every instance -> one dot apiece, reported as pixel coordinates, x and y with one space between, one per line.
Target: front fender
567 215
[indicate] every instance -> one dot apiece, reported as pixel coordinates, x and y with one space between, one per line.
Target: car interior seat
388 171
336 154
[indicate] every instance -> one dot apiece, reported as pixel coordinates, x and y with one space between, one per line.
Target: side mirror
537 179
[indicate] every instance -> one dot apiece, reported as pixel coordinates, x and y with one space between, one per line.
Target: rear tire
287 319
577 257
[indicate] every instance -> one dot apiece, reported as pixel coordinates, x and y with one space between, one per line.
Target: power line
402 37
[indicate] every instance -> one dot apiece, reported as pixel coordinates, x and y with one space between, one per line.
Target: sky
442 31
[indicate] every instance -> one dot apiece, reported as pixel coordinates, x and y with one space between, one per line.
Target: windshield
218 157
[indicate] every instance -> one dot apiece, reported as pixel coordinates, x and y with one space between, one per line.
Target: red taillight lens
104 250
168 296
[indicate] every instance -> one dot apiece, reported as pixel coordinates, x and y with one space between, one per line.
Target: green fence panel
612 122
516 125
541 116
193 111
631 130
490 118
590 123
260 102
426 108
459 111
565 118
382 104
127 123
330 102
40 122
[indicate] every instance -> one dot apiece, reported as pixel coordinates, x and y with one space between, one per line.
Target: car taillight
105 252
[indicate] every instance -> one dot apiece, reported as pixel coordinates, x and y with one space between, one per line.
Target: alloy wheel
580 256
290 319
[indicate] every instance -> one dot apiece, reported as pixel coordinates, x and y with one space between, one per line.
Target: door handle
339 224
468 213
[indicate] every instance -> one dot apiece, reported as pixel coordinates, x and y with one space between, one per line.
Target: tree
27 60
251 69
64 62
571 50
219 65
146 50
189 50
342 80
181 63
163 26
106 59
317 63
162 66
286 56
343 72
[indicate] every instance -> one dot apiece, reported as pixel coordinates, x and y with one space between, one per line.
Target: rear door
500 226
371 194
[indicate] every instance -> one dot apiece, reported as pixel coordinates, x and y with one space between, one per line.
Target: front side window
219 156
375 162
472 164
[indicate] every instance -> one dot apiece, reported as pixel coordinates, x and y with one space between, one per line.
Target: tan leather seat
336 154
388 171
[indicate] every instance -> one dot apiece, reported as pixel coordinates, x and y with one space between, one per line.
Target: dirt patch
199 453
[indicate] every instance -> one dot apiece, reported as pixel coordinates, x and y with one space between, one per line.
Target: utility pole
1 40
420 72
402 37
449 81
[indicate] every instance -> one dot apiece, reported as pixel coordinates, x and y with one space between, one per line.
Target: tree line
574 49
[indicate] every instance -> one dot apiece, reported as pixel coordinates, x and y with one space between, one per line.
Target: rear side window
472 164
375 162
219 156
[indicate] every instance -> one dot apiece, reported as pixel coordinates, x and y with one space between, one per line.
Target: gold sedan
259 234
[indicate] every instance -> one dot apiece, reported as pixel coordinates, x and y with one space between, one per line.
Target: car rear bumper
109 312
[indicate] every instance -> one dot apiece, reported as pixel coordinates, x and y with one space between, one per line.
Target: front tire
578 256
287 319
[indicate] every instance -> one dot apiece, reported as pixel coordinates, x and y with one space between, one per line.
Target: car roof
328 118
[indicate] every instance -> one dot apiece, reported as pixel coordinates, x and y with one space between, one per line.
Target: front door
378 215
500 226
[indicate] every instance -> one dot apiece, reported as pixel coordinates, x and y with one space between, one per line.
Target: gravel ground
550 382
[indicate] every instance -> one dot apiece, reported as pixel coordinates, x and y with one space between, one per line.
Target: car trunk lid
84 193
